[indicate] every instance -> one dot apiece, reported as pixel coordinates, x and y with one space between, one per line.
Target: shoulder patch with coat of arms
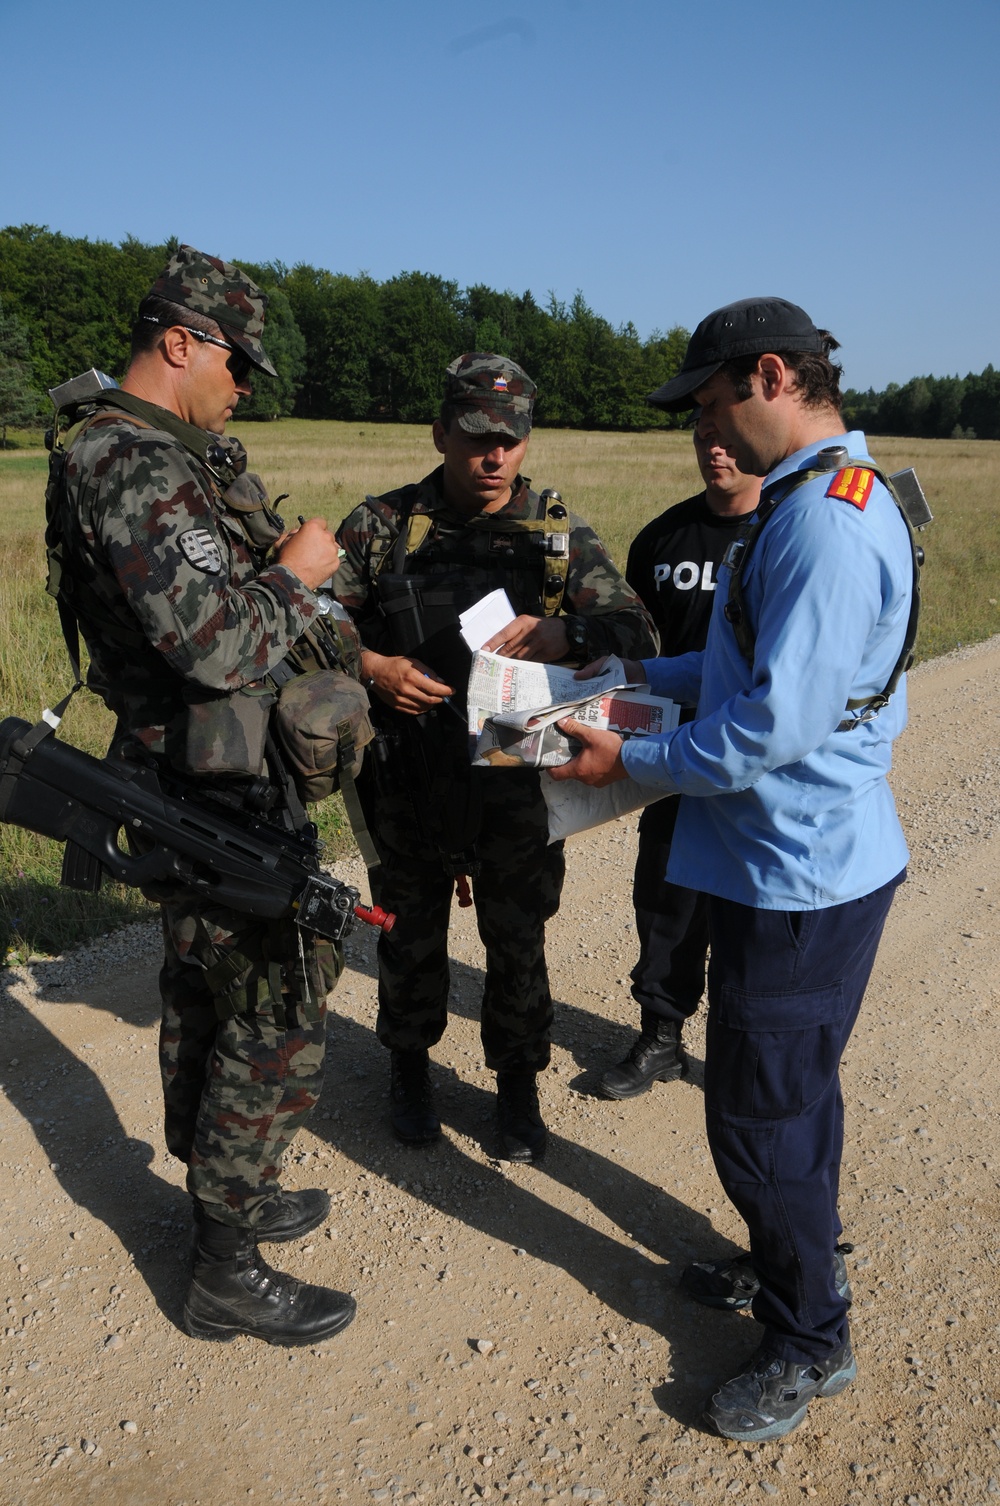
853 484
201 550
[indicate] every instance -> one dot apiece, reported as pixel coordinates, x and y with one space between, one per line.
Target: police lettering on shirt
673 565
686 575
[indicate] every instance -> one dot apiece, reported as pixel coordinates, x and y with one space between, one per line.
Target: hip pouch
321 720
227 730
318 708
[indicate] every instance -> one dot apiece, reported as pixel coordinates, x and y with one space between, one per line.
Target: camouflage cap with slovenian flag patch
489 394
219 291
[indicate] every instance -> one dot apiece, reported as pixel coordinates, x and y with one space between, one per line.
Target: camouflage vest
239 493
430 566
426 565
227 732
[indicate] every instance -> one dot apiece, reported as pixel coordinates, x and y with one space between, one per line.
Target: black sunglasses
239 364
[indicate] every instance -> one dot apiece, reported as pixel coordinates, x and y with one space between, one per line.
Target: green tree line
345 347
930 407
353 348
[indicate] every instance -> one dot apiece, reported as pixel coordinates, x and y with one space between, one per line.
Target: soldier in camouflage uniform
188 594
414 559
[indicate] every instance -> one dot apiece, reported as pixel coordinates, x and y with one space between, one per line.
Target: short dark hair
156 314
816 376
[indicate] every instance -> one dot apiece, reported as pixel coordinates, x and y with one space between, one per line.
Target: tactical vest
529 557
426 572
740 551
239 494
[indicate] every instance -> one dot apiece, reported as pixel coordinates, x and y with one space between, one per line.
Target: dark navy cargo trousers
784 990
672 923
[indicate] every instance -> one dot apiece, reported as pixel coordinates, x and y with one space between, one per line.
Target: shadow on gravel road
98 1165
106 1172
637 1280
594 1041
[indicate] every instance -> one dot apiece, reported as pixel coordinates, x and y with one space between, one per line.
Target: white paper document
498 686
513 705
486 617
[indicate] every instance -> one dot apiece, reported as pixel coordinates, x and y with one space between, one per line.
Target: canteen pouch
323 728
227 731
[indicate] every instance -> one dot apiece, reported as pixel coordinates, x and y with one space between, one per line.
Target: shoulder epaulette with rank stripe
853 484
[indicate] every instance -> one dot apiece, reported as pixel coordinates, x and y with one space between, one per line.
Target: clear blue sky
662 158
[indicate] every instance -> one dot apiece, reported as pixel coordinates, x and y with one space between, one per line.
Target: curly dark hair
816 376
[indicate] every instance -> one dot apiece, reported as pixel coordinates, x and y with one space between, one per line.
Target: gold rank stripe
853 484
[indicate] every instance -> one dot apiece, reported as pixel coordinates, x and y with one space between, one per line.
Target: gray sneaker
770 1397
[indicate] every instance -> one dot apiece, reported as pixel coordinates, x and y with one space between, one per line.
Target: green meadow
616 481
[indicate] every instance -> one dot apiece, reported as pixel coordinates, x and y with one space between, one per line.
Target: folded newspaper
514 705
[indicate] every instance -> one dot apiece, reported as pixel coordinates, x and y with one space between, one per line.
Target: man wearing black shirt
672 566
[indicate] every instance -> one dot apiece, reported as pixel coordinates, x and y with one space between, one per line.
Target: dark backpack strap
738 555
555 517
346 755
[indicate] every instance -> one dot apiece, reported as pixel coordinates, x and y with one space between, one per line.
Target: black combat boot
233 1290
656 1056
523 1136
413 1118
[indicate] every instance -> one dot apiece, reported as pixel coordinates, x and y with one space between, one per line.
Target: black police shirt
673 565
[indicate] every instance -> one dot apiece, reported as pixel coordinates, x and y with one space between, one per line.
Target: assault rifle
187 840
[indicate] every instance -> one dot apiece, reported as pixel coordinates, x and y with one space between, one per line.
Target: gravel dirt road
520 1335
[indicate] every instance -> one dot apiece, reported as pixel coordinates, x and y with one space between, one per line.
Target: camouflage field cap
221 292
490 395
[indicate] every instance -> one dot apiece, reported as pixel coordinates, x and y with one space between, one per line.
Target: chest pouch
247 498
421 614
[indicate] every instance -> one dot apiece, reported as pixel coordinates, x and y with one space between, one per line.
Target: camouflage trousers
516 892
242 1047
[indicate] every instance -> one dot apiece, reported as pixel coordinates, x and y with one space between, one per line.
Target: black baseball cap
749 328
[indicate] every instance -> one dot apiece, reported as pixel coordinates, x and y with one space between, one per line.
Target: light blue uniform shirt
786 813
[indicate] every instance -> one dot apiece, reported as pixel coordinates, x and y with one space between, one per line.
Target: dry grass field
616 481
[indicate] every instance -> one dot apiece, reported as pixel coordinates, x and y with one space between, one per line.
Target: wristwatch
578 637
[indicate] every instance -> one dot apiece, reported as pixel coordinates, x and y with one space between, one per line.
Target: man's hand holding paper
599 761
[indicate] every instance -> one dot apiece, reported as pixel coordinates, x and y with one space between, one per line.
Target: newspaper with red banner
514 706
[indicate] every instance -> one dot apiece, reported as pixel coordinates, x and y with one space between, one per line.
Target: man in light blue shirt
788 824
